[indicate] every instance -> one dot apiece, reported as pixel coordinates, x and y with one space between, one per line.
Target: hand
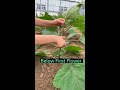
60 41
47 39
58 21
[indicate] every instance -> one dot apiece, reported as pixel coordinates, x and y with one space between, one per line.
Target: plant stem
59 32
62 26
59 52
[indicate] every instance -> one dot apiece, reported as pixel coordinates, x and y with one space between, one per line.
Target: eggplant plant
71 76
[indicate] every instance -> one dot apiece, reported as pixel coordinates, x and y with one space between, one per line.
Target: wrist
54 38
52 23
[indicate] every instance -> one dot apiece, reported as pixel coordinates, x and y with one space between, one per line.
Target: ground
44 75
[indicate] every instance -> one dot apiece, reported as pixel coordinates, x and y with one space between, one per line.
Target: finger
61 18
63 37
61 22
65 45
61 45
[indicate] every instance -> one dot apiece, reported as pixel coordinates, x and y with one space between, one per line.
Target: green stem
62 26
59 32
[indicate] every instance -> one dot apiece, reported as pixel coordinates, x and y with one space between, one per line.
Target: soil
44 75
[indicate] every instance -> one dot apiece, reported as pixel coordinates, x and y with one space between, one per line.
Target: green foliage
68 49
70 77
82 39
51 28
37 28
37 47
46 17
73 12
79 23
41 54
73 17
56 52
46 51
73 49
71 33
49 32
59 16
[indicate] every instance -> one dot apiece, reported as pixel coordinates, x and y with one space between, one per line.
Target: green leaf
59 77
49 32
62 52
37 28
46 51
41 54
71 35
73 49
58 16
79 23
70 77
71 30
56 52
67 42
82 39
46 17
52 28
72 12
37 47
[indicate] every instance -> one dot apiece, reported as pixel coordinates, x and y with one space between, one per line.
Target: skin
47 39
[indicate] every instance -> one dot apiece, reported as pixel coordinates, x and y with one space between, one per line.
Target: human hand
60 41
58 22
47 39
